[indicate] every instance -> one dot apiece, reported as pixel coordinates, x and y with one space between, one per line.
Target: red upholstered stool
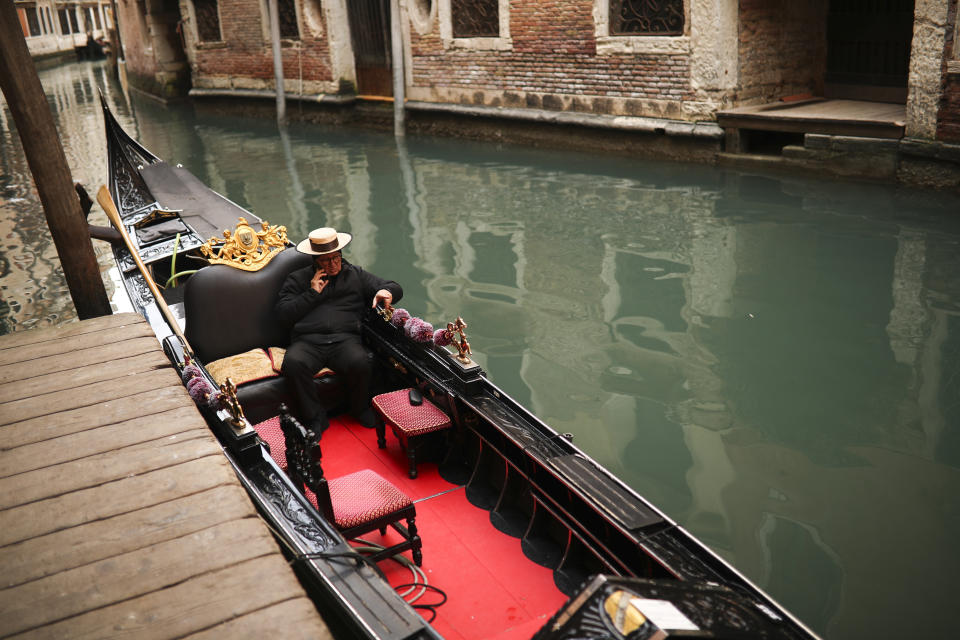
408 422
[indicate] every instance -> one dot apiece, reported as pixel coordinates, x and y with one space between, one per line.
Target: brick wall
553 64
783 45
244 58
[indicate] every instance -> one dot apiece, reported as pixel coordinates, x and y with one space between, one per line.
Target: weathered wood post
48 164
396 51
277 61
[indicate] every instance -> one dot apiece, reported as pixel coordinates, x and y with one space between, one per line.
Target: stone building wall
243 58
948 122
154 59
782 49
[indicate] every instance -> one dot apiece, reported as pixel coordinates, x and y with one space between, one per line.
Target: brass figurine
460 342
232 404
386 312
246 248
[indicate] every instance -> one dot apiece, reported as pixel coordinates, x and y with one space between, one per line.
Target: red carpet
492 590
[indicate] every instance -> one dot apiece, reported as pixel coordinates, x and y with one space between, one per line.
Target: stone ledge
270 94
626 123
928 149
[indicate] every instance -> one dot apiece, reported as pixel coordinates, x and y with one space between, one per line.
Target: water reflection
773 362
33 291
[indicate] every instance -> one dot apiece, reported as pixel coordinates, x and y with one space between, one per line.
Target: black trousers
348 358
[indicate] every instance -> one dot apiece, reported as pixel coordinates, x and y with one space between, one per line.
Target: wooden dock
822 116
119 514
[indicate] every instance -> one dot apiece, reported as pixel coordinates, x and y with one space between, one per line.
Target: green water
773 361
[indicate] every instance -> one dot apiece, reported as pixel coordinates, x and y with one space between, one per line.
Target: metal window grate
475 18
288 20
208 20
646 17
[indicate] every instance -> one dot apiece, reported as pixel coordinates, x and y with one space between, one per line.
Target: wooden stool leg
417 552
381 434
412 457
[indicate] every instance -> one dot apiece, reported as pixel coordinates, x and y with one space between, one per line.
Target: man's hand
319 280
383 295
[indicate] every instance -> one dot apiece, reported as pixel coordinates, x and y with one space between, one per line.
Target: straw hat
324 240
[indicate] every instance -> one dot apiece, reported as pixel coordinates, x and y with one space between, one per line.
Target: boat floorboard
119 514
492 589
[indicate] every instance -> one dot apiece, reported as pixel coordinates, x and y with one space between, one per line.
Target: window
649 27
208 20
64 21
47 20
33 21
74 25
475 24
475 18
288 19
646 17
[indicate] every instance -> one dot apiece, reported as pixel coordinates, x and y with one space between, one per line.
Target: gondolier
323 305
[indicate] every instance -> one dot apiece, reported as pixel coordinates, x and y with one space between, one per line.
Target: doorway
868 49
370 35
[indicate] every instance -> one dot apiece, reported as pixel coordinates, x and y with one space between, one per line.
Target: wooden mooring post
48 164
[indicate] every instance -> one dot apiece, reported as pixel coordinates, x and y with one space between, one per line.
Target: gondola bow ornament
246 248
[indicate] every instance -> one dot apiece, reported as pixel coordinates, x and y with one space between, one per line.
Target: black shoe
320 424
367 418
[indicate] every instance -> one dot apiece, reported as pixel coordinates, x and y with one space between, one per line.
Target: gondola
521 533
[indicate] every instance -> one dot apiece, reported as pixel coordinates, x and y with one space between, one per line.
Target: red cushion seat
407 421
272 434
364 496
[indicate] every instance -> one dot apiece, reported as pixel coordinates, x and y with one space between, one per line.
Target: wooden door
370 35
868 49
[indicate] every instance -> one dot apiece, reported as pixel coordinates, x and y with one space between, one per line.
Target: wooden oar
103 197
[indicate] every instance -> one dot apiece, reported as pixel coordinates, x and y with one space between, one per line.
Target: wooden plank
91 395
105 413
76 475
114 498
103 323
75 380
99 440
70 548
135 574
29 364
295 619
199 604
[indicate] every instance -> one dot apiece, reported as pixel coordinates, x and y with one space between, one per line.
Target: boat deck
119 514
492 589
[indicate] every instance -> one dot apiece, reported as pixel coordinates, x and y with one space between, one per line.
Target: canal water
773 361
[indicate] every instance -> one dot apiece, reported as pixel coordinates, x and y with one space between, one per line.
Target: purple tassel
442 337
418 330
189 372
400 317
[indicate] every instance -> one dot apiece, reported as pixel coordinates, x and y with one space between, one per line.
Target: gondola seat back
230 323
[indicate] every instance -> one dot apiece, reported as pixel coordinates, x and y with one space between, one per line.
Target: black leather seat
230 311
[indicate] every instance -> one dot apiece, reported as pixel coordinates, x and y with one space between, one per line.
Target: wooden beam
48 164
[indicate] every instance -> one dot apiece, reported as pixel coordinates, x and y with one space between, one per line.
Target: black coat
338 309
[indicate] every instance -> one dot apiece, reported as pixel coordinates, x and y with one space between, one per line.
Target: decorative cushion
396 409
363 496
272 434
276 358
244 367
